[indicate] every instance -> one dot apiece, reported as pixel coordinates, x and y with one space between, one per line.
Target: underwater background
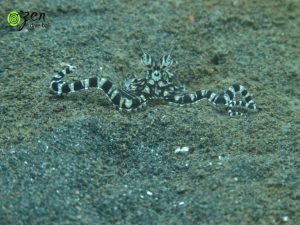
77 160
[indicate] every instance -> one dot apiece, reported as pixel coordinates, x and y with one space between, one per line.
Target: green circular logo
13 18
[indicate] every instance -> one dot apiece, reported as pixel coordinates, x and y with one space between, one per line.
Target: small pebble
149 193
285 218
182 150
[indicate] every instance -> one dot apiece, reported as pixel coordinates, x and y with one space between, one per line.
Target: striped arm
227 98
120 98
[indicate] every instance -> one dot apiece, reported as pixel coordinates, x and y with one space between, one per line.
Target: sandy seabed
76 160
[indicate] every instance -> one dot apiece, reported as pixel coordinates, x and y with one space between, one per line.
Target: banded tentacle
121 98
227 98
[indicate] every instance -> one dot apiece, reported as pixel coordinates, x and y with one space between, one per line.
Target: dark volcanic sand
76 160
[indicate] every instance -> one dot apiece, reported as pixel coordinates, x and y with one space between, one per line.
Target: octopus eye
146 59
166 61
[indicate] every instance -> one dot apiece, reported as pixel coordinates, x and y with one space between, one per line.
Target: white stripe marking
128 103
